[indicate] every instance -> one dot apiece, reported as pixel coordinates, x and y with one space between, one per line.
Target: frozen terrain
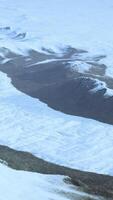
27 124
81 24
30 186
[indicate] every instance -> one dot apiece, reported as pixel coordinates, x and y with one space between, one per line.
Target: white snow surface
56 24
16 185
29 125
42 62
80 66
100 85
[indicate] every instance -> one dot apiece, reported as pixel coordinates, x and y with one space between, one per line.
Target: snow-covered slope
27 124
55 24
16 185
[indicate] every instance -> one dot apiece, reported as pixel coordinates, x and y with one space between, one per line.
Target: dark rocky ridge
89 182
60 87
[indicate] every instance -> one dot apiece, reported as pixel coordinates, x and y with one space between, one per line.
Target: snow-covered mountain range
27 124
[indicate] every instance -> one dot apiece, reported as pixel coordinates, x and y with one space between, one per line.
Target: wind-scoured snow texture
29 125
32 186
54 24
